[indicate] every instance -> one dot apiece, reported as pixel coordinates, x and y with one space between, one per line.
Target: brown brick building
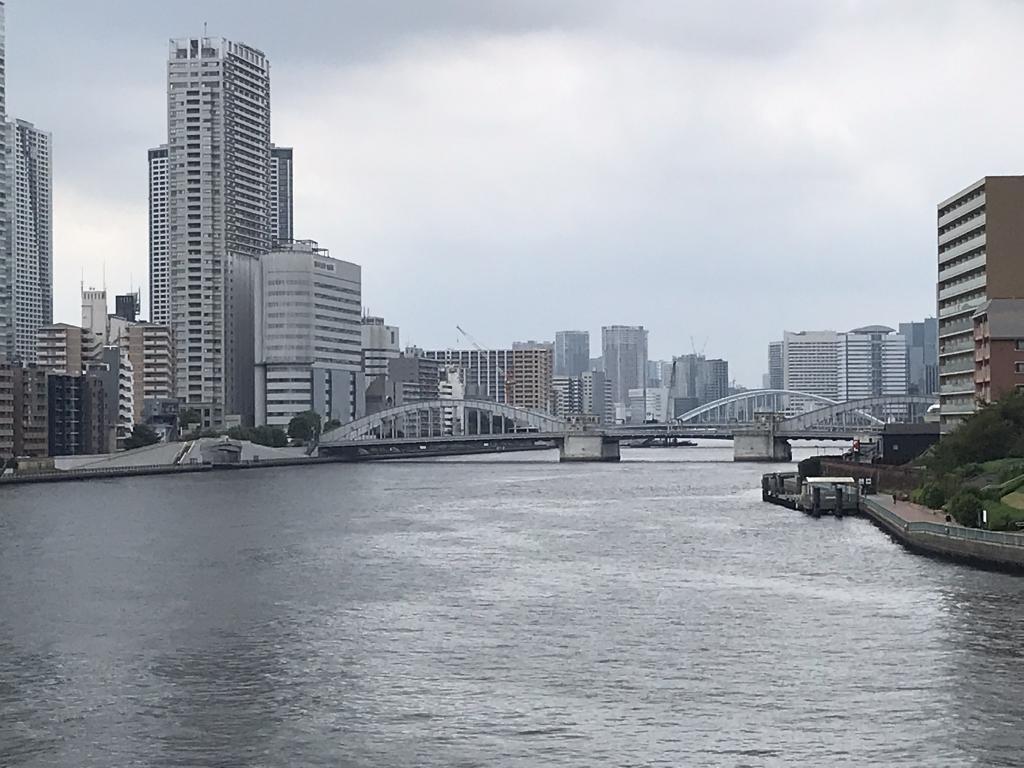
998 349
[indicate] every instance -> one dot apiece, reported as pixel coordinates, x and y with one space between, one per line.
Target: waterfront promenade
927 532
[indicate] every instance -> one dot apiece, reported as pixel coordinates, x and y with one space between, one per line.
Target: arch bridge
761 422
446 418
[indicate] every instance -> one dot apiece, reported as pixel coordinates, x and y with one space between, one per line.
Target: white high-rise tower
26 228
218 218
159 261
32 236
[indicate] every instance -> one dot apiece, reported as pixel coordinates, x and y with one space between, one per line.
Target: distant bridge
462 427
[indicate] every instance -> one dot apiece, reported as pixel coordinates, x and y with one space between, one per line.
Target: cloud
724 170
96 238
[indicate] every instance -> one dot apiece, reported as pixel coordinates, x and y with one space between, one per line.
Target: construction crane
508 377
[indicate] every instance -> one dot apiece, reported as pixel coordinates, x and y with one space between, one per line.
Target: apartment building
980 241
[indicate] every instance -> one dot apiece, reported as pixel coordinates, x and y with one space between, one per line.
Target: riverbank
926 532
88 473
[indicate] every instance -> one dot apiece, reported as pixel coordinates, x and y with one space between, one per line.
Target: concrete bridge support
760 445
588 447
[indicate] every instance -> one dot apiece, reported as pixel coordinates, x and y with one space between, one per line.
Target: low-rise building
998 349
115 370
66 349
308 336
655 408
77 415
589 394
520 376
23 411
380 344
151 353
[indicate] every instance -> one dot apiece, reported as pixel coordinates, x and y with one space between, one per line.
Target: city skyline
98 222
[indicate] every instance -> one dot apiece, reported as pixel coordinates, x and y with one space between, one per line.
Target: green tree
305 426
965 508
142 435
930 495
240 433
188 416
273 437
995 431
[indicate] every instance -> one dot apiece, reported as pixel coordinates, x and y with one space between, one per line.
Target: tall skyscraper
872 362
979 245
624 348
776 377
26 228
7 349
282 196
218 200
159 258
33 236
922 356
810 364
572 353
694 381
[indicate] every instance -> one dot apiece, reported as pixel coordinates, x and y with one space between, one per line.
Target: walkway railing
952 531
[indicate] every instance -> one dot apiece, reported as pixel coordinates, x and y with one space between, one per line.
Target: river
516 612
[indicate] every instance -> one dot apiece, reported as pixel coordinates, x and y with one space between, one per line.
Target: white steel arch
752 398
429 414
831 413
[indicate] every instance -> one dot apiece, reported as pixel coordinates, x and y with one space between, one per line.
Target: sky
717 172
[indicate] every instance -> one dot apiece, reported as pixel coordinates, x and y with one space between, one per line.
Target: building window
1019 367
1020 345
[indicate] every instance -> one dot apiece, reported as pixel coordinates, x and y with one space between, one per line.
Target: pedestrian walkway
910 513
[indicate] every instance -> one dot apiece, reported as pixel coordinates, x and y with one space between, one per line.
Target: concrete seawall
984 549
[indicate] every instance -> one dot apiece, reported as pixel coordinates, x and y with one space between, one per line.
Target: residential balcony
966 286
962 229
962 307
962 210
977 241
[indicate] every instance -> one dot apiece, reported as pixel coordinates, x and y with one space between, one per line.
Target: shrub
965 508
995 431
1011 473
971 470
305 426
141 436
930 495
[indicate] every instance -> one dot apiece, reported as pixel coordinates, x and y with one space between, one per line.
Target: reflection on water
474 612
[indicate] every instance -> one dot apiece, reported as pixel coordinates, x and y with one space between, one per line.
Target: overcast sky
721 171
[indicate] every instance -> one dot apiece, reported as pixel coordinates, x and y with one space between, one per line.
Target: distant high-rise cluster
823 366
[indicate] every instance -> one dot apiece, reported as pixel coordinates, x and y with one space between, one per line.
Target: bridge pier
588 447
761 444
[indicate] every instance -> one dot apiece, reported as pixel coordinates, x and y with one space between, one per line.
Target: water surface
517 612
